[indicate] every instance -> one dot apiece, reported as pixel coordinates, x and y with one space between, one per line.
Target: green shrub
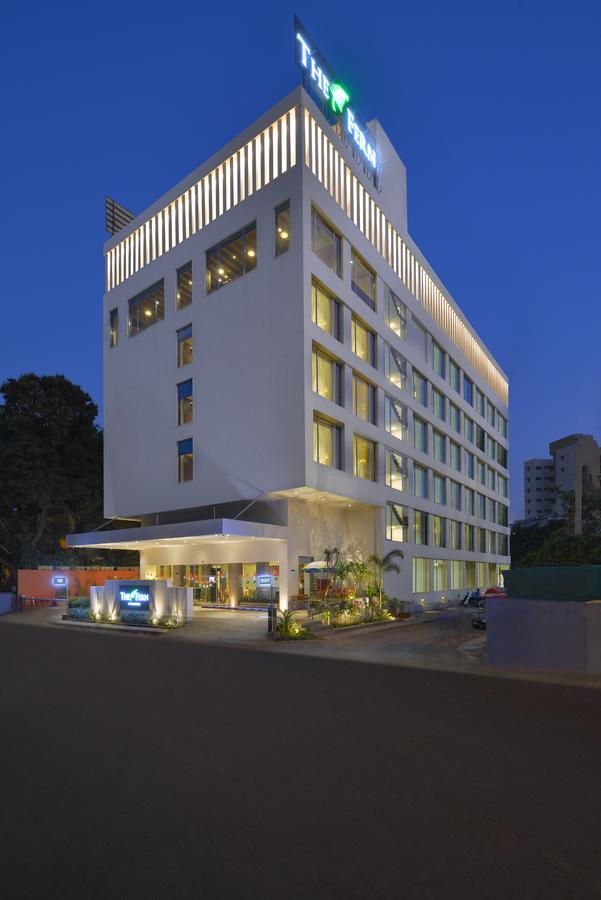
79 602
288 629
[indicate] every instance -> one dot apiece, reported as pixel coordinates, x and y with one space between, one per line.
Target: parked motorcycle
472 598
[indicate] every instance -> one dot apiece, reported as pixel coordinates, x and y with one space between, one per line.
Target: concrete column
234 577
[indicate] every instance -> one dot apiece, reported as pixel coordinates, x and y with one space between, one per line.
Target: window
364 399
147 308
184 346
232 258
325 310
468 531
185 460
420 434
455 418
420 527
396 315
184 402
491 478
490 446
491 414
502 456
440 489
113 327
454 376
421 575
282 228
481 505
364 458
503 545
439 405
363 280
470 574
468 390
480 438
438 359
481 537
395 367
326 443
502 514
491 510
439 531
480 402
363 341
440 446
455 495
395 418
325 376
502 424
183 289
397 470
469 500
456 574
468 429
441 572
397 523
469 464
420 481
481 470
326 243
454 535
420 388
455 455
503 485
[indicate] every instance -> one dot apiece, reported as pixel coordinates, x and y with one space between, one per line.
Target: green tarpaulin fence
563 583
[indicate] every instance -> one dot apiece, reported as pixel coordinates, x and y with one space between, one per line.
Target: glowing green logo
338 97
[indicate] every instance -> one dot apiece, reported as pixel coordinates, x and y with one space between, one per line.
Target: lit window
470 574
326 443
364 458
420 388
325 310
397 523
363 280
363 341
438 359
395 418
420 481
440 568
395 367
397 470
325 376
468 531
439 531
184 346
456 574
282 228
396 315
183 290
233 257
454 535
326 243
184 402
185 457
421 575
146 308
113 327
420 527
363 399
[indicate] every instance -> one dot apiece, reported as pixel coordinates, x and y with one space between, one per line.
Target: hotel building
284 372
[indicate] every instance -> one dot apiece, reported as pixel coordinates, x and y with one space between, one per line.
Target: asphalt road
146 768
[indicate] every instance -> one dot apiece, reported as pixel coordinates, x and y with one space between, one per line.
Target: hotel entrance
227 584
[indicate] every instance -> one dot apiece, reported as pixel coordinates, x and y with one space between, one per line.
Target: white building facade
284 372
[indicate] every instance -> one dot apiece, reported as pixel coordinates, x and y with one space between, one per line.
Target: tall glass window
456 575
502 456
420 481
397 523
113 327
325 376
147 308
364 458
454 535
468 429
326 443
420 527
421 575
233 257
184 402
396 314
282 228
440 489
397 470
441 574
502 424
364 397
363 280
395 367
185 460
395 418
325 310
363 341
468 390
502 514
438 359
440 446
439 531
184 346
455 455
326 243
470 574
183 289
468 532
502 485
469 464
480 402
455 495
420 434
454 376
455 418
439 404
469 500
420 388
491 479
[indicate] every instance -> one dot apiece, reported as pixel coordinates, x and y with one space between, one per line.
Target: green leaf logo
338 97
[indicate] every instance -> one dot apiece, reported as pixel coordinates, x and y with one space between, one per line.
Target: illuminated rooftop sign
313 65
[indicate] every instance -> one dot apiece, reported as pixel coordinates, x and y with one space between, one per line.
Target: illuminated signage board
264 581
59 580
134 596
320 78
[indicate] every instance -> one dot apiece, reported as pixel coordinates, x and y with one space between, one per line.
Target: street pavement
151 767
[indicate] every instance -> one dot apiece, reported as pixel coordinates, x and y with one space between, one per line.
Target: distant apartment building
575 465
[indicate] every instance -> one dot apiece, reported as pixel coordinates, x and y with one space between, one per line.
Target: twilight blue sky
494 107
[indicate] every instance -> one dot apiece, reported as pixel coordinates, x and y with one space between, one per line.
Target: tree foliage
557 544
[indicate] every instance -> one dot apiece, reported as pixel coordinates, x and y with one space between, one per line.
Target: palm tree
331 557
383 564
